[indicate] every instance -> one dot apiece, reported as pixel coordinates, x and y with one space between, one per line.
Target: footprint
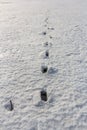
9 106
43 95
44 69
47 44
52 70
49 28
47 54
44 33
44 54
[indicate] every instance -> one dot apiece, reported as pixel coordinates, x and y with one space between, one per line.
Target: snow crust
29 28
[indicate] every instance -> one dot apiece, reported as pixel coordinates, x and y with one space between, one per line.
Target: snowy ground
23 44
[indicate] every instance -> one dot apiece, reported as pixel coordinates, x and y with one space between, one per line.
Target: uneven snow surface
29 29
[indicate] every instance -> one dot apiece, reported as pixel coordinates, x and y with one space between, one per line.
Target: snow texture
29 28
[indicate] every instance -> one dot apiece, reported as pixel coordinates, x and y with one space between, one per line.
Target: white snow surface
29 28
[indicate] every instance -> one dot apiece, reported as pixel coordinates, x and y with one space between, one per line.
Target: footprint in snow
9 106
47 44
44 69
44 33
43 99
49 28
52 70
44 54
47 54
43 95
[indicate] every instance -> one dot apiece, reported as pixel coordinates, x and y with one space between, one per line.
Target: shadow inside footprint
44 33
43 95
47 54
46 44
44 69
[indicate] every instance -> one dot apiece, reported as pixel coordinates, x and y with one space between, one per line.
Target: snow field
27 30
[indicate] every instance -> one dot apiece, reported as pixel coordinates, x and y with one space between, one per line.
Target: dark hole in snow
44 33
43 95
44 69
47 54
46 44
11 106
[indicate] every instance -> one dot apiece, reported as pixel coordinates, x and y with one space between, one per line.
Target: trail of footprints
44 69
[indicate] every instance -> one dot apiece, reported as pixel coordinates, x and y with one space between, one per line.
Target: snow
23 45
